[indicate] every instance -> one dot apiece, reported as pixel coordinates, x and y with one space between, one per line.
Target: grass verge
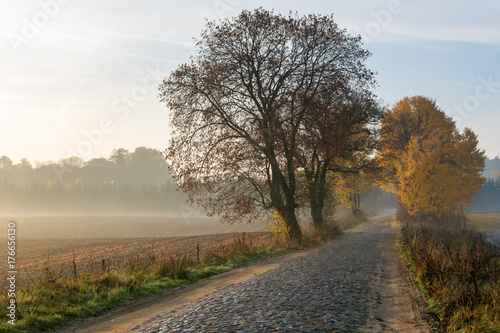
58 300
459 274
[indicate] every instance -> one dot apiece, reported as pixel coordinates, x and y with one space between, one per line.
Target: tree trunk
294 231
317 214
286 210
288 215
317 195
356 204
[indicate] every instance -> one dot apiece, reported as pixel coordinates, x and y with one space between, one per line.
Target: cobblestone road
326 291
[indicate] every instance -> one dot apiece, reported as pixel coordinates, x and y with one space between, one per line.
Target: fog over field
126 182
130 194
92 227
56 242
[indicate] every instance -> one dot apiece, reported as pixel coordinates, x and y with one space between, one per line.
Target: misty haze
227 166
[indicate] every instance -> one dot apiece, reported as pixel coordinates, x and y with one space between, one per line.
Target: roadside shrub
175 268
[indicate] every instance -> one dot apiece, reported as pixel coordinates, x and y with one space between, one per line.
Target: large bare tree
242 105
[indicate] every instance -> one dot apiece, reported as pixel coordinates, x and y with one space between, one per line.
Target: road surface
354 283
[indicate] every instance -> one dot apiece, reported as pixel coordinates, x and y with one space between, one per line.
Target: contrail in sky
129 35
463 85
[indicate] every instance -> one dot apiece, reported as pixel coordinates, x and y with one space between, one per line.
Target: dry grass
459 272
55 242
97 256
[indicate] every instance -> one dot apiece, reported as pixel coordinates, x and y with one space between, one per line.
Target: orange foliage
432 167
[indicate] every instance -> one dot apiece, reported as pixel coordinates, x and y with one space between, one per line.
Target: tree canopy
265 98
432 167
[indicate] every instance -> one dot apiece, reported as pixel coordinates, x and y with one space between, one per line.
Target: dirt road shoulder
396 304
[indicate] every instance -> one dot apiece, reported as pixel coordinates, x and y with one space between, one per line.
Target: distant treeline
139 182
492 168
487 199
126 182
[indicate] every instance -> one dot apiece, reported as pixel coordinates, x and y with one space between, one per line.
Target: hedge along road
353 283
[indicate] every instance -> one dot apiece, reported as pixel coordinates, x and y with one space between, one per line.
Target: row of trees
274 112
136 181
143 165
487 199
274 115
266 110
492 167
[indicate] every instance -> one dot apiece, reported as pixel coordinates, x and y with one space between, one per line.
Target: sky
80 78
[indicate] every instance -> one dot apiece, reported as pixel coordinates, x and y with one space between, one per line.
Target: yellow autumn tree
432 167
354 172
350 187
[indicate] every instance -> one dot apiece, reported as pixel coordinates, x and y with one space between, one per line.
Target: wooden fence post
198 253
